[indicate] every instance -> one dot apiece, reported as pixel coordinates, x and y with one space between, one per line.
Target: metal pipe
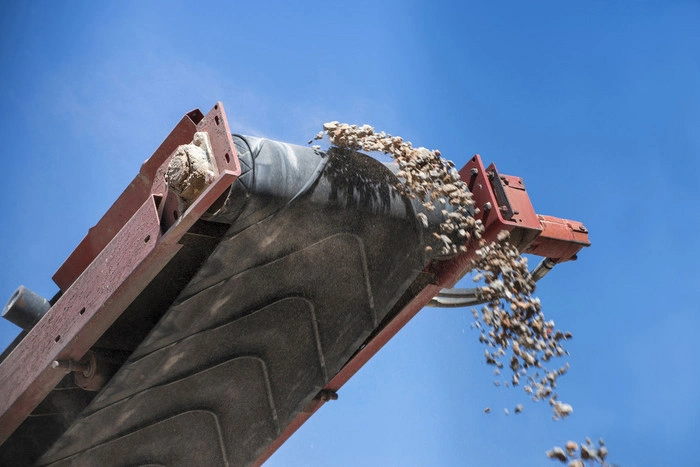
69 366
543 268
25 308
457 298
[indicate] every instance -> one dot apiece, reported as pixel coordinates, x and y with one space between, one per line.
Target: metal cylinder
25 308
94 372
543 268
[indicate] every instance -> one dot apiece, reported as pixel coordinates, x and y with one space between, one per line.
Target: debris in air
425 176
512 324
575 455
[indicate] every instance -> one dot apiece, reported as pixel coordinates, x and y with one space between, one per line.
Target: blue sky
595 104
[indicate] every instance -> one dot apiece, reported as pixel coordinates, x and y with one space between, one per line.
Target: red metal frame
118 258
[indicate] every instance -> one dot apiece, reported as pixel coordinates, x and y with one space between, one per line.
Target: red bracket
505 205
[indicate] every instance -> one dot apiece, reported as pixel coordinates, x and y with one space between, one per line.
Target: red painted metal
511 210
151 181
124 207
560 240
94 301
216 125
97 293
502 202
77 320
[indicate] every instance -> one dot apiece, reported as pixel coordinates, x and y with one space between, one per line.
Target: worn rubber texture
317 248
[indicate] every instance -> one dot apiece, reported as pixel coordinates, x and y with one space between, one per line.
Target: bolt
487 206
70 365
328 395
474 172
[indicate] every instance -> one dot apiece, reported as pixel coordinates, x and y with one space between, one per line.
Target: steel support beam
110 268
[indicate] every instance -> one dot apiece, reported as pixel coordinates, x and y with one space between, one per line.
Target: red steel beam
560 240
150 180
124 207
98 292
95 300
76 321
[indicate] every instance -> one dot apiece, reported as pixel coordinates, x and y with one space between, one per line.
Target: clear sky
596 104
